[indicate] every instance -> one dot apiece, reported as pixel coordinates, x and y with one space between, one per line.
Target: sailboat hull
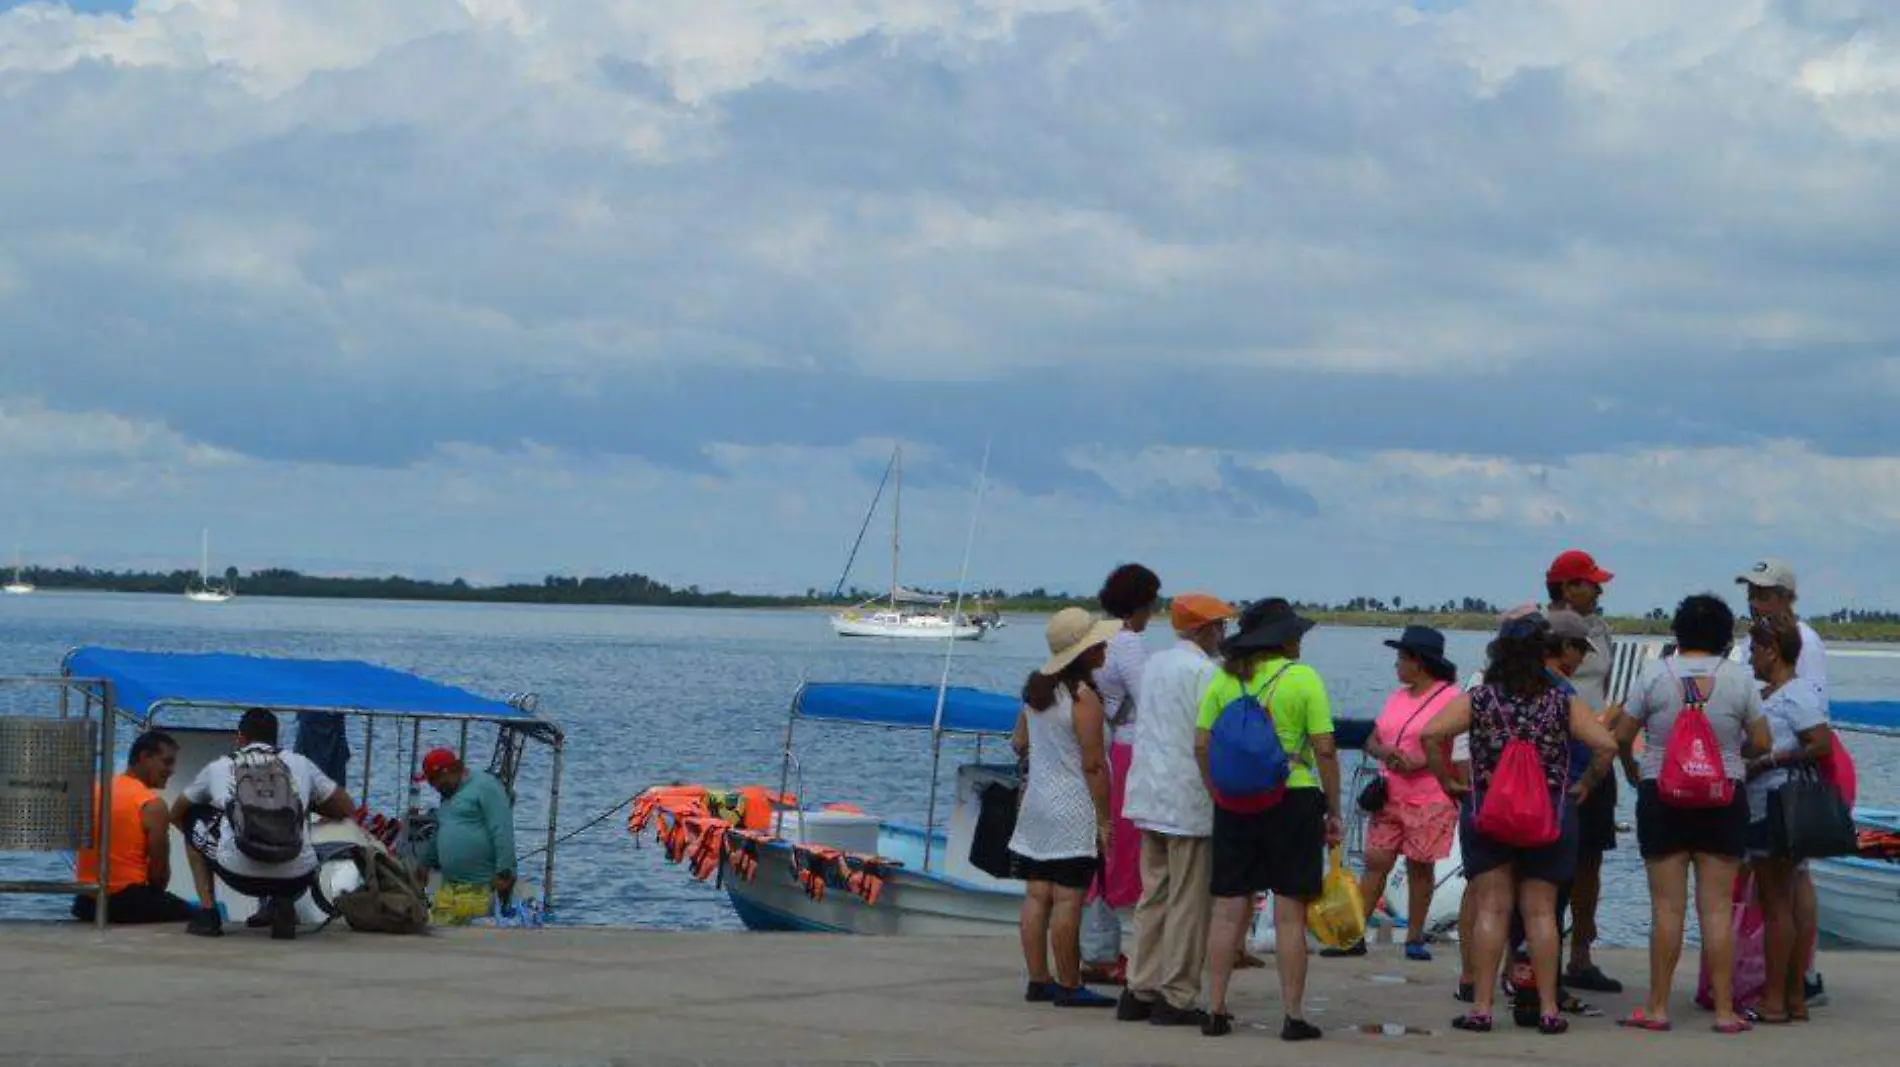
16 588
904 628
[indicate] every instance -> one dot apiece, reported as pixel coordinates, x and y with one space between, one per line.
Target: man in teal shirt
474 842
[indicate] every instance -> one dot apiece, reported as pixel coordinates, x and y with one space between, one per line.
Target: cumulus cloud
1225 255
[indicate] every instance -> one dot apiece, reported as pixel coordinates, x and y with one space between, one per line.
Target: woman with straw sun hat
1062 826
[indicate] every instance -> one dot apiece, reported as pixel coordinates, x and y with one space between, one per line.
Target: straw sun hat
1071 632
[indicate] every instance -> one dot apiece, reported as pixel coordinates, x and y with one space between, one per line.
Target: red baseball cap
437 761
1576 566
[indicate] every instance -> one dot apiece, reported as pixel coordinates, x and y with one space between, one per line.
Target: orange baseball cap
1191 611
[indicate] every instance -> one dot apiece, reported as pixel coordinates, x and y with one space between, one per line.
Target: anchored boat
786 865
904 614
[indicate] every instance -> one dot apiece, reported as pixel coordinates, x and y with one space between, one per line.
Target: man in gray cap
1771 591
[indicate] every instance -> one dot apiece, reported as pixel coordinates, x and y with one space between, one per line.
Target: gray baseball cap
1769 573
1568 625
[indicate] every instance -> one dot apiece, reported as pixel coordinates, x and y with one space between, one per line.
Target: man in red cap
474 841
1575 583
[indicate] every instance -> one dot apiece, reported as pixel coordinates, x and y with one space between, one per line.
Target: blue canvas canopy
1871 716
965 710
144 683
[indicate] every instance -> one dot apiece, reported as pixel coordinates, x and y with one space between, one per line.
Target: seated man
141 842
247 819
474 842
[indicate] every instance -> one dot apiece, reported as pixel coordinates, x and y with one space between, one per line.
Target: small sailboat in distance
19 586
204 592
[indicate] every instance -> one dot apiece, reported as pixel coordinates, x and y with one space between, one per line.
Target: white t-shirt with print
213 787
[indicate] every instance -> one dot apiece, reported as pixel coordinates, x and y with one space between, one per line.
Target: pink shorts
1419 832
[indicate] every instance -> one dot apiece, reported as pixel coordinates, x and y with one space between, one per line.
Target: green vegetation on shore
638 590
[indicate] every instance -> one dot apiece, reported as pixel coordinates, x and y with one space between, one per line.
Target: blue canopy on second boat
965 710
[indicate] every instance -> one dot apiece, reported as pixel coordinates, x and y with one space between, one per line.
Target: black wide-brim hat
1425 643
1267 625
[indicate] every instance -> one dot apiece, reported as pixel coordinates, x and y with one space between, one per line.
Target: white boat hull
912 905
204 597
17 588
910 628
1859 899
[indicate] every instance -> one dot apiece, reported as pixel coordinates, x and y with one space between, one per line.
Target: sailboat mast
204 564
897 517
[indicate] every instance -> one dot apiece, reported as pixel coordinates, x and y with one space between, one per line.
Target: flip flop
1473 1022
1756 1015
1636 1020
1248 962
1739 1026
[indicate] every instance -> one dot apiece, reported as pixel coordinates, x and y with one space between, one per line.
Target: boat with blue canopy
785 865
1858 897
196 697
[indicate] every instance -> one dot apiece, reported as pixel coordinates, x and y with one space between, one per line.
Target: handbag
995 825
1808 820
1373 798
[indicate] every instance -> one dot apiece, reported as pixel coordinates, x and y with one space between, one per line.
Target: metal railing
51 769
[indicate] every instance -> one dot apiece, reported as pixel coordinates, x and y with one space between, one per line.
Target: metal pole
369 751
415 750
554 815
785 765
105 804
461 750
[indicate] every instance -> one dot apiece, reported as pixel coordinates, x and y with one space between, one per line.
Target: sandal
1551 1025
1739 1026
1473 1022
1636 1020
1756 1015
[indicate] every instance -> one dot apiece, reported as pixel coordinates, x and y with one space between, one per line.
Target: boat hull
904 631
1859 899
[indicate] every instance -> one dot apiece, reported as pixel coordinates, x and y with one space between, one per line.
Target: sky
1319 298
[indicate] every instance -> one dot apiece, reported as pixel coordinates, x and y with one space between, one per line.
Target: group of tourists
1190 782
245 821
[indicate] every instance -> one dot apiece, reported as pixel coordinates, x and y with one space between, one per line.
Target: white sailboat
19 586
205 592
904 614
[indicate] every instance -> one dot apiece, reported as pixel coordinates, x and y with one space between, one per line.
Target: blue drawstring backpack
1245 759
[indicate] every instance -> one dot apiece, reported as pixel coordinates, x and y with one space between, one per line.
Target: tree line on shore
639 590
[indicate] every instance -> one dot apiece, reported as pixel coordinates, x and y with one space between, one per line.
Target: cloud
1166 258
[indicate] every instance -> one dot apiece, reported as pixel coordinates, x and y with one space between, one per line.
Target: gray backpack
265 814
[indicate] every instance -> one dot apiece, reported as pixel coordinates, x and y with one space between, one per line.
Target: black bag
1808 820
995 825
1373 797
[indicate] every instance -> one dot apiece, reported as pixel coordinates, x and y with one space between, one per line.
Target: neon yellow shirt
1299 706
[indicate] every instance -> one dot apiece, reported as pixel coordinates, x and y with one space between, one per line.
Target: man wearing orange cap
1168 804
474 841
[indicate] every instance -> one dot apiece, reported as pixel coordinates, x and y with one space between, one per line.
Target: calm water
657 695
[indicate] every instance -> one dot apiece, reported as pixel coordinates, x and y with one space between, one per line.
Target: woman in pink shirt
1417 819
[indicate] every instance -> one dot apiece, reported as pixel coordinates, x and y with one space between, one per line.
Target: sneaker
1218 1025
1132 1009
1816 990
1467 993
1166 1014
1416 950
283 921
205 924
1357 948
261 918
1040 992
1592 979
1299 1030
1082 997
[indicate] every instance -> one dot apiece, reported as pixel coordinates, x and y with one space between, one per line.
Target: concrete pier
157 998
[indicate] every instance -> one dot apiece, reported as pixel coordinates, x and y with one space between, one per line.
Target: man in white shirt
238 824
1771 591
1167 803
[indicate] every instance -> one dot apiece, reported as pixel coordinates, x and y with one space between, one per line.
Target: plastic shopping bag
1751 960
1338 916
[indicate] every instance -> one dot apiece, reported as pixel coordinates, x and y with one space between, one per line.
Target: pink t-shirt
1399 727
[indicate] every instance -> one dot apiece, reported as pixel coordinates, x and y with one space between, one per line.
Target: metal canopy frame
533 729
104 771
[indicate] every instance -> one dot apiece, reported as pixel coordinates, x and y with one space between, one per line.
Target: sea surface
653 695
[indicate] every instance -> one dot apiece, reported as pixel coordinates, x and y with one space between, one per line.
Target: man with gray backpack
247 819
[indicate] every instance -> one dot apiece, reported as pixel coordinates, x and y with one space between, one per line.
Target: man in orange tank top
141 841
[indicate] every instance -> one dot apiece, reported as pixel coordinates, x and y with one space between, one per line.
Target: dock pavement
586 997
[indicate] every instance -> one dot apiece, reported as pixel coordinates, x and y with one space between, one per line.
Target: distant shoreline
1025 606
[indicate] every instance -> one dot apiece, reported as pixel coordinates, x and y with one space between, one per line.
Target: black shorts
1074 873
1665 831
1555 863
1280 850
136 904
1596 818
203 830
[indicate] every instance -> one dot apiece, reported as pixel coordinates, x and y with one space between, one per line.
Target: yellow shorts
460 903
